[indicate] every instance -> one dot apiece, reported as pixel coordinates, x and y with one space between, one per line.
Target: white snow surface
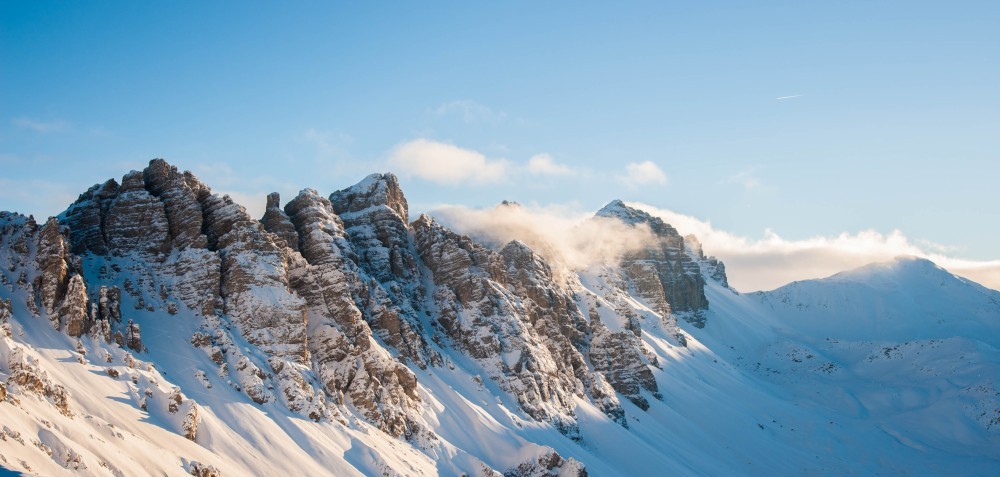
891 369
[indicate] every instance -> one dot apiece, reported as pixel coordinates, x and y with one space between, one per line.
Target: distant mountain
904 299
156 328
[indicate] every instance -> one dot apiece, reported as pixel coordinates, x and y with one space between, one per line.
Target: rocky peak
373 191
180 193
617 209
317 226
374 213
663 273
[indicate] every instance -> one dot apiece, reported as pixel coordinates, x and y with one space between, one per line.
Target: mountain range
155 328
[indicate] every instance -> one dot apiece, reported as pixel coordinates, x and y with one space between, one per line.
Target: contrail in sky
790 97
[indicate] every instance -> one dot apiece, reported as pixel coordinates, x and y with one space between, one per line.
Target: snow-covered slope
155 329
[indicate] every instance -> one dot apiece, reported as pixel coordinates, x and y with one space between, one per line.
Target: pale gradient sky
807 119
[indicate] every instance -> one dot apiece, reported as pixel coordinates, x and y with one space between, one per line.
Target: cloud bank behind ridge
563 233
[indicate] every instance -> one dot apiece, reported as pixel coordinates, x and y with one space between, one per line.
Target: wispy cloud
328 144
643 173
569 238
39 126
446 163
793 96
469 111
567 235
746 178
544 164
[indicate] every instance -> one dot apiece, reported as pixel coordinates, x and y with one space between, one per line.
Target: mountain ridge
351 328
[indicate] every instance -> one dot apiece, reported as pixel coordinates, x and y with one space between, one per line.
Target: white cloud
470 111
793 96
543 164
772 261
446 163
643 173
746 178
562 234
42 126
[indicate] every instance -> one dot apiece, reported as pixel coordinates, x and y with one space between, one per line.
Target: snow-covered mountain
155 328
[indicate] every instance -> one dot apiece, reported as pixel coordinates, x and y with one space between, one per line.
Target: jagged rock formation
136 222
106 312
504 310
548 465
342 346
325 304
252 261
618 357
276 222
180 194
73 311
663 272
50 285
87 218
374 217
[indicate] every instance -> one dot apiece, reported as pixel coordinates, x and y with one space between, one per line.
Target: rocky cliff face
663 272
504 310
374 215
345 354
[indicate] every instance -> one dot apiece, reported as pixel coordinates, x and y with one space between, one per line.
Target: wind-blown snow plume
561 234
575 239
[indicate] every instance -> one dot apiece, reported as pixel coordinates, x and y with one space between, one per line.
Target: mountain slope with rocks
156 328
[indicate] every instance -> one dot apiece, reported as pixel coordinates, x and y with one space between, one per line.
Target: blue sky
809 119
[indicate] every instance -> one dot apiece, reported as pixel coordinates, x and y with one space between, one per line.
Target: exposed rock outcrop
550 464
86 218
179 193
504 310
50 285
73 310
251 261
663 272
196 280
277 222
345 355
136 222
373 214
616 355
